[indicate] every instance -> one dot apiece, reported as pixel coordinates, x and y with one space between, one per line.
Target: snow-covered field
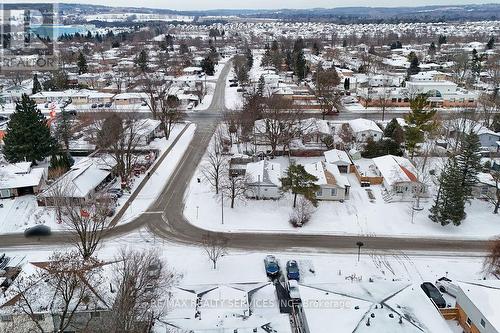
358 215
22 212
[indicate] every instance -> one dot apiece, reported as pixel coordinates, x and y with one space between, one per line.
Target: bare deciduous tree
233 186
494 195
214 166
215 247
492 261
143 281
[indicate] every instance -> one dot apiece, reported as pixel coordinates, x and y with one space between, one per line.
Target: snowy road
165 217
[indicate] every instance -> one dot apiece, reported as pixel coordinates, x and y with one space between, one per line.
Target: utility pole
222 206
359 244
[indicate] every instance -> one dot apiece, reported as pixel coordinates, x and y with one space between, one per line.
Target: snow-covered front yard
22 212
358 215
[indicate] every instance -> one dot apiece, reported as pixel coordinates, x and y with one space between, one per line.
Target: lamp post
197 208
222 206
359 244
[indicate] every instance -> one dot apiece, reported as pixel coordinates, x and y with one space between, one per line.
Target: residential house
81 183
400 177
17 179
263 180
364 129
477 305
130 98
486 186
333 185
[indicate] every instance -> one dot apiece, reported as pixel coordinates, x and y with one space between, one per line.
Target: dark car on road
433 293
272 266
38 230
292 270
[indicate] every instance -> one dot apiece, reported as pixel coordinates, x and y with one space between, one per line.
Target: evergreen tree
63 129
28 136
414 64
449 203
142 61
394 131
266 58
214 55
442 40
476 63
37 87
261 86
347 83
300 67
298 181
315 49
207 65
469 162
344 43
432 49
419 122
249 56
491 43
82 64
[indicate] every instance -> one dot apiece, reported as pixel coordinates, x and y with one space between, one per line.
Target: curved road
165 217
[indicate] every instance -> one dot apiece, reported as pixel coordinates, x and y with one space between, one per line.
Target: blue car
272 267
292 270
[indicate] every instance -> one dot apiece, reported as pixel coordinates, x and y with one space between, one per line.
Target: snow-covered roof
485 295
327 174
265 172
362 125
395 169
336 156
16 175
351 305
83 177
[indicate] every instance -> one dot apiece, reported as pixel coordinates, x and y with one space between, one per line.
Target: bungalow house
263 180
333 185
400 177
477 306
486 186
364 128
489 139
18 179
81 183
130 98
148 130
339 158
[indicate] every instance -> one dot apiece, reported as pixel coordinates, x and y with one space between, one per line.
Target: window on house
483 323
469 322
333 192
38 317
6 318
318 194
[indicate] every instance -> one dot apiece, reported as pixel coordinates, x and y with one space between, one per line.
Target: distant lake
56 31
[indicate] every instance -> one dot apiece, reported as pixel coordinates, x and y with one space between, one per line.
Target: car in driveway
293 290
116 191
292 270
446 285
37 230
272 266
434 294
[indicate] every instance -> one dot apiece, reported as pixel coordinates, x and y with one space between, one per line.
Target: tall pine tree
28 136
298 181
469 162
81 62
37 87
449 204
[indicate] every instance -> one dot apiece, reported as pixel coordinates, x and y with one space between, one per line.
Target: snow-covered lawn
358 215
22 212
207 99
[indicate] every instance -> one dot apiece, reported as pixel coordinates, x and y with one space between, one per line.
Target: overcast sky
263 4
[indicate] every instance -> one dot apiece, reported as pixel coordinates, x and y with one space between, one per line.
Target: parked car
272 267
445 285
108 104
240 90
292 270
116 191
233 85
37 230
94 106
100 105
293 290
433 293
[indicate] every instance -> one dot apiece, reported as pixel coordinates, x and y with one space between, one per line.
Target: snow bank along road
165 216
